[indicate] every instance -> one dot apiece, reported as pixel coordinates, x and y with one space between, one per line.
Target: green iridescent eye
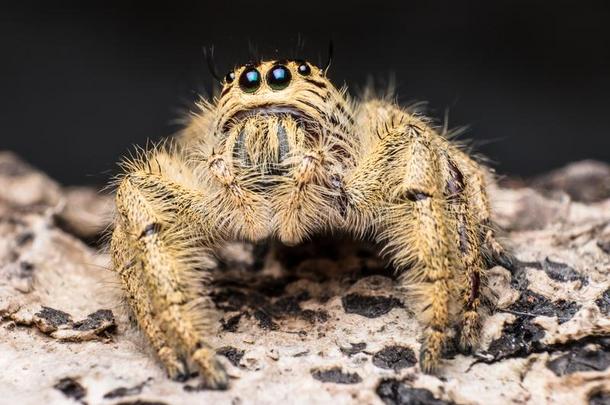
250 80
279 77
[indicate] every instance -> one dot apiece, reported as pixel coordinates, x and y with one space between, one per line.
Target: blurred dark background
80 83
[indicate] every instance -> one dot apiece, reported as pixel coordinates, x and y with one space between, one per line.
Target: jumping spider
281 152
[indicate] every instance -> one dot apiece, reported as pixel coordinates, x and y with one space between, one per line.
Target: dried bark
320 323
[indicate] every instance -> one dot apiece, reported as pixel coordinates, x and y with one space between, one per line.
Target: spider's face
265 110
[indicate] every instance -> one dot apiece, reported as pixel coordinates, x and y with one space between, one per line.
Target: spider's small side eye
279 77
250 80
304 69
230 77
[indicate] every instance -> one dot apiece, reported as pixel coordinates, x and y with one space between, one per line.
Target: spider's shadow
274 280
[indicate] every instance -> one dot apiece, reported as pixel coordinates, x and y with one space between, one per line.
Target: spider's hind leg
469 206
464 196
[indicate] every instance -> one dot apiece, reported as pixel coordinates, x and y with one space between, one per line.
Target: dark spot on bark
289 305
394 392
233 354
314 316
600 398
522 338
562 272
353 349
394 358
264 307
140 402
518 340
26 269
71 388
603 302
532 305
25 238
519 277
54 317
336 375
555 270
233 299
124 391
265 321
231 324
96 320
369 306
580 359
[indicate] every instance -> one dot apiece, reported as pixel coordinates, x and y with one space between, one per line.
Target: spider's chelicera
282 153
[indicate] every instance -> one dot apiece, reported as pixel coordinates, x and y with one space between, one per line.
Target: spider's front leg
161 249
398 191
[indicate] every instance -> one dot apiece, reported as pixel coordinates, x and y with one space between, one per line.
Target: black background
82 83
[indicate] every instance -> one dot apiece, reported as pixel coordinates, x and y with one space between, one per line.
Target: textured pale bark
316 324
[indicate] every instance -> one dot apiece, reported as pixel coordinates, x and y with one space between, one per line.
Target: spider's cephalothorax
281 152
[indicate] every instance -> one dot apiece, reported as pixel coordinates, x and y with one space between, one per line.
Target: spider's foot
505 259
469 335
430 352
211 370
499 255
175 367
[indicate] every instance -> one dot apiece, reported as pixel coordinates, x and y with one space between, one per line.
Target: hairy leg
134 284
464 199
491 250
158 248
397 188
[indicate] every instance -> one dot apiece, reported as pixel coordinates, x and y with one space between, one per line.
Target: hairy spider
282 153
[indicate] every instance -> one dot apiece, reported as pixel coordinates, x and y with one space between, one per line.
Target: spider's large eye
278 77
304 69
250 80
